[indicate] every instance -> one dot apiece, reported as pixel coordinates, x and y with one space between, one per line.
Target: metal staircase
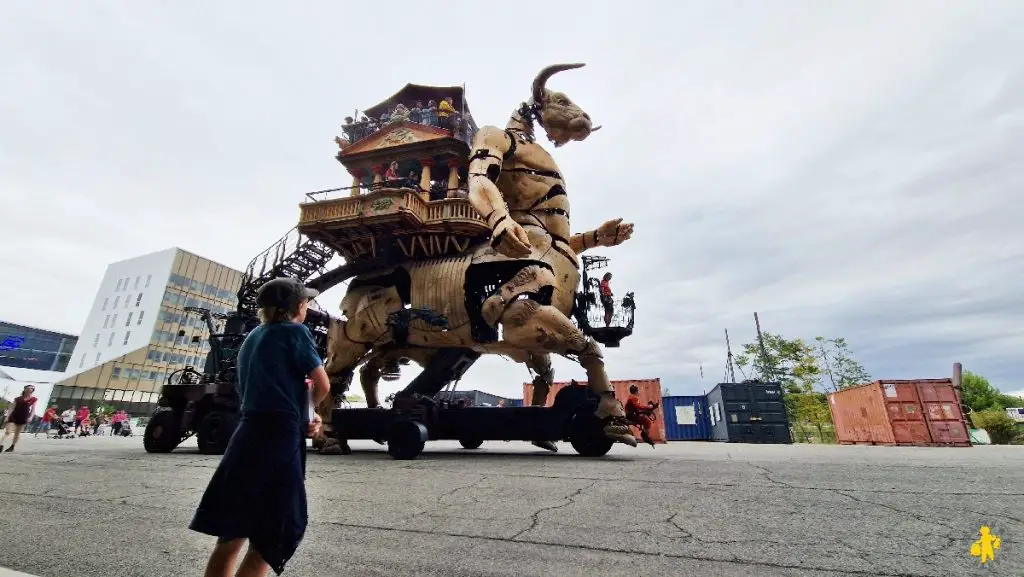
293 255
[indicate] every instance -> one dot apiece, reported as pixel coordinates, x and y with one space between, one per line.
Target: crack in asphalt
440 498
733 485
896 510
600 549
569 500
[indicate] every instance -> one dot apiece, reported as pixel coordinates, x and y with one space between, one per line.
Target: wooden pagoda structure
408 199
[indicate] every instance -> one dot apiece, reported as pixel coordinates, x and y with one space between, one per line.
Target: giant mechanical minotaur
481 261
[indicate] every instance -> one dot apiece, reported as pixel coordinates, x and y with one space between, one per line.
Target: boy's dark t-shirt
272 366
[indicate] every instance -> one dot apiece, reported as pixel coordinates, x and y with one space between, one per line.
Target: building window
127 301
141 314
149 278
96 341
117 300
115 374
126 335
138 300
105 302
137 280
97 357
110 341
113 321
81 363
128 322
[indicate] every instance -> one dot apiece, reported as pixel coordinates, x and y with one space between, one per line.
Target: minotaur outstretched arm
611 233
490 144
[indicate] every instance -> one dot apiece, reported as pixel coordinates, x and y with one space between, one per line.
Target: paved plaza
104 507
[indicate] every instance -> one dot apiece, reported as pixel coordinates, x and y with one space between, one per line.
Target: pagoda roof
410 93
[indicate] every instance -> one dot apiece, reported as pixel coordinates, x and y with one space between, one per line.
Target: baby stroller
63 430
126 428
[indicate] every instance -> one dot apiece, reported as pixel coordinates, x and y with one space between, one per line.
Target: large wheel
163 432
471 443
586 435
407 440
215 432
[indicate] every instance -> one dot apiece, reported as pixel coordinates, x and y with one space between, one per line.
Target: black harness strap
554 191
548 173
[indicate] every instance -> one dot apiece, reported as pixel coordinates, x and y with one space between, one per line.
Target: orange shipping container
650 391
923 412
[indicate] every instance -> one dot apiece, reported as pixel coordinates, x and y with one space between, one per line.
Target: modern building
137 332
31 348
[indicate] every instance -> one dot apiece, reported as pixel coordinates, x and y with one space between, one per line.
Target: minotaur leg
369 377
343 355
540 363
530 325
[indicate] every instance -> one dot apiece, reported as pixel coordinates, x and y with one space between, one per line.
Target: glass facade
29 348
133 381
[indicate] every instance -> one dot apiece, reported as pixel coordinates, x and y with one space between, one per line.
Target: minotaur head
561 119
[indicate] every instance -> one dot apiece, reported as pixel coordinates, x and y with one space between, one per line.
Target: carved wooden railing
339 210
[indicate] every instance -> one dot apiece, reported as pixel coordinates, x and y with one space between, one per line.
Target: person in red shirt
49 417
82 417
640 415
606 298
21 414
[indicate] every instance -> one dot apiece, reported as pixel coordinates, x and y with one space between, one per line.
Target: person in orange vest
640 415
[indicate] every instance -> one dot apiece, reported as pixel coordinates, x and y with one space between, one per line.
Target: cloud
844 169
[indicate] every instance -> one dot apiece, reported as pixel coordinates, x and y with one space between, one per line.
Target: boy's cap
283 293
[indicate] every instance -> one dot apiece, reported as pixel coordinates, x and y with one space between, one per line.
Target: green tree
791 362
1000 427
810 409
840 370
978 393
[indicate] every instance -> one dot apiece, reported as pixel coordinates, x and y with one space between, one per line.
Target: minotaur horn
542 79
596 128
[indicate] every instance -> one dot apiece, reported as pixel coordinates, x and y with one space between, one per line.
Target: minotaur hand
614 233
510 238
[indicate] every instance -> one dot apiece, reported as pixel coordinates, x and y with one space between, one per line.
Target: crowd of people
72 422
441 115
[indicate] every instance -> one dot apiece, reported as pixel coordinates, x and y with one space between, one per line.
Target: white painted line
10 573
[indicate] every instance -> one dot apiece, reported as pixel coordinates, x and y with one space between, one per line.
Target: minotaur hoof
613 433
546 445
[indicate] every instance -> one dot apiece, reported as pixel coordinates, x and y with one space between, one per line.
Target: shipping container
686 418
650 390
514 403
920 412
748 413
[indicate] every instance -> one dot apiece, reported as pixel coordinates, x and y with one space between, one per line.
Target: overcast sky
846 169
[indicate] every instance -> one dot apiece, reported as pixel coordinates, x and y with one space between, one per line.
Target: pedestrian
21 414
49 418
258 490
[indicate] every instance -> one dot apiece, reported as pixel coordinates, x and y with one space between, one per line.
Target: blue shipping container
686 418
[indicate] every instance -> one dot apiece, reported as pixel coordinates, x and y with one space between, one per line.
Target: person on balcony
445 110
430 112
416 112
606 298
391 174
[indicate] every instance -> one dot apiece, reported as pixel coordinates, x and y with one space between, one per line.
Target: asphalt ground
104 507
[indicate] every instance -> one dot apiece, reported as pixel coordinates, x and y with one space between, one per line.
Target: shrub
1001 428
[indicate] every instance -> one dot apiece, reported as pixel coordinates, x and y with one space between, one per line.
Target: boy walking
258 490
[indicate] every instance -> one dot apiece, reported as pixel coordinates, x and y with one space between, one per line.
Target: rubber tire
406 440
215 432
587 437
163 432
471 444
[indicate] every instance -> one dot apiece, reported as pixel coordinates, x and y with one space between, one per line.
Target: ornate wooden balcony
393 223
